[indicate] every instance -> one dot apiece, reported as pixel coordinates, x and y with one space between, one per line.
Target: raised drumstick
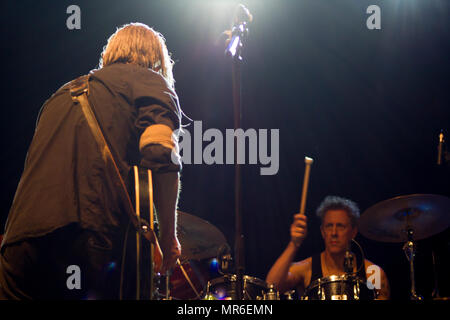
308 163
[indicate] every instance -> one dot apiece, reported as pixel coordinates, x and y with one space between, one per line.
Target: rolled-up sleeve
158 145
158 123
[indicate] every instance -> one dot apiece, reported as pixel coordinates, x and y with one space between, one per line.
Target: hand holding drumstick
299 229
280 275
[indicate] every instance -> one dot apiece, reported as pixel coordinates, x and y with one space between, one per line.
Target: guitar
143 192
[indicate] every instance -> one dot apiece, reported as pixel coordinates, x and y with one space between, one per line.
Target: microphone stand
234 49
410 250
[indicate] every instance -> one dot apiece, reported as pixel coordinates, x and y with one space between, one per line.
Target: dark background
367 105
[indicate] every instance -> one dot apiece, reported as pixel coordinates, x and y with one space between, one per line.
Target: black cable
363 258
122 267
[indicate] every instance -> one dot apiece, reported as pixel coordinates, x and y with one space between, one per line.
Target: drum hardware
321 292
357 290
435 293
225 260
344 287
271 294
410 250
208 295
406 219
159 280
225 288
289 295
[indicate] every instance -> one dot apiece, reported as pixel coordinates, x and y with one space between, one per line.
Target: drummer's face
337 231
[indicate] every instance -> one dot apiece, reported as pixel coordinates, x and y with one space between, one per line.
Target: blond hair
139 44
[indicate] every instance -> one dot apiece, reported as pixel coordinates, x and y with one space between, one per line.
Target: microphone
348 262
441 142
238 32
224 259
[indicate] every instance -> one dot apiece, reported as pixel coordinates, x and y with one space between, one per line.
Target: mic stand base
409 249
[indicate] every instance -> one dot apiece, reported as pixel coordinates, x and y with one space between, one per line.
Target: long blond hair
139 44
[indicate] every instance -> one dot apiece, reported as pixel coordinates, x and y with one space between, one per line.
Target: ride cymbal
390 220
199 239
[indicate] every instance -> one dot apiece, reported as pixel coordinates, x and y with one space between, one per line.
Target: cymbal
199 239
389 220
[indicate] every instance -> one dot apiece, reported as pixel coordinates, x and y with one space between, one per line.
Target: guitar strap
79 91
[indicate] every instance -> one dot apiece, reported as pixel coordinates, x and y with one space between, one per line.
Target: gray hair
339 203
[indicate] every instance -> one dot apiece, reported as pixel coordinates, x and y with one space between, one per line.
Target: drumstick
308 163
187 278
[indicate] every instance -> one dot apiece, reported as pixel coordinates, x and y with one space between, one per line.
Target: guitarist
66 227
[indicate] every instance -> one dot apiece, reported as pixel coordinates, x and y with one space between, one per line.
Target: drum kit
202 245
403 219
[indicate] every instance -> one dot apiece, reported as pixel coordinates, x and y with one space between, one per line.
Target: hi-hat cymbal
389 220
199 239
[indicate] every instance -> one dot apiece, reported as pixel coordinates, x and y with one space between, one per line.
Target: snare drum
345 287
224 288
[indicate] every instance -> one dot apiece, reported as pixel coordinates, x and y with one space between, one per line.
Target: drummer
339 218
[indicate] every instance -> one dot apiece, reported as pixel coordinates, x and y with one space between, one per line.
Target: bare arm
157 121
378 278
283 275
384 293
166 197
279 274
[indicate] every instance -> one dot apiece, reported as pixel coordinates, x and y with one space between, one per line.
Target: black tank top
316 268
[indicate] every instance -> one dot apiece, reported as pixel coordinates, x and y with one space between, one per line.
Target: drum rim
227 279
233 277
334 278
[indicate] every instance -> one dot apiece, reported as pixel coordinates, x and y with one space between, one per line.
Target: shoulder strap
79 90
316 267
